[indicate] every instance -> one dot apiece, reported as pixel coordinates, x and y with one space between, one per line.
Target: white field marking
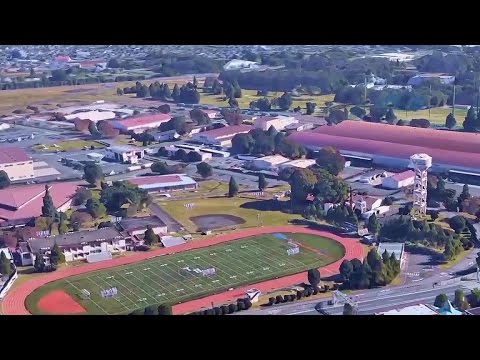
266 268
198 285
213 254
249 272
163 265
228 250
281 265
129 273
215 281
416 280
180 261
197 257
109 277
146 269
233 277
162 294
384 291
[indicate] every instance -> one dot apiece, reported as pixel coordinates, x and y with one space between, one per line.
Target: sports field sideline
164 279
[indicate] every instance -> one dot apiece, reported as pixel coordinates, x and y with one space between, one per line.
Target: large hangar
392 145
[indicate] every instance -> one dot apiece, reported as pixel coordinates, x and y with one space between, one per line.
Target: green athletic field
164 280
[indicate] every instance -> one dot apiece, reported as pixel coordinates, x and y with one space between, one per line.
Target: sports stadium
391 145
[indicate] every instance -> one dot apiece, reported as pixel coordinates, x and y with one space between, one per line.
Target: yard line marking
101 308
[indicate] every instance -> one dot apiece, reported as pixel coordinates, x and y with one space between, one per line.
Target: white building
78 245
167 135
94 116
420 309
124 154
278 122
4 126
366 203
299 163
164 183
222 136
16 163
270 163
400 180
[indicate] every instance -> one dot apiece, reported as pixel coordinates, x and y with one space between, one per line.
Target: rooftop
25 201
300 163
226 131
162 180
144 120
12 154
403 175
420 309
169 241
137 223
447 147
74 238
124 148
274 159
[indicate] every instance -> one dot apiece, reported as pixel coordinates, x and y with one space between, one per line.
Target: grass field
251 95
68 145
165 279
224 205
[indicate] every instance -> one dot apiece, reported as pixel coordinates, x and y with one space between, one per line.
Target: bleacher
101 256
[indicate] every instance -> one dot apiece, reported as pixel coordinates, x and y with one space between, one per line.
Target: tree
81 196
348 309
195 81
460 302
471 121
39 264
228 90
233 103
151 310
164 109
119 91
160 167
204 169
56 255
450 121
4 180
457 223
48 208
62 225
150 237
176 93
373 224
346 270
216 87
440 300
113 63
242 144
232 187
313 277
93 173
285 101
390 116
92 128
310 107
5 265
164 309
358 112
330 159
79 218
95 208
262 182
106 129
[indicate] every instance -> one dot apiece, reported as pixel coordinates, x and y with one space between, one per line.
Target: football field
178 277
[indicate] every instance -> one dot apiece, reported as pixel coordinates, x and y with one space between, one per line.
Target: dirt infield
58 302
14 302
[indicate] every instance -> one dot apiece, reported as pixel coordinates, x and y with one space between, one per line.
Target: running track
14 302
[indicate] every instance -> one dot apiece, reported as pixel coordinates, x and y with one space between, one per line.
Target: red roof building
20 204
393 145
16 163
140 123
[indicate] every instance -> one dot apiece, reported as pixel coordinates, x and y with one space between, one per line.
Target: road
371 301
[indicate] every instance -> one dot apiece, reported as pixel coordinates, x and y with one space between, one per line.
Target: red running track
14 301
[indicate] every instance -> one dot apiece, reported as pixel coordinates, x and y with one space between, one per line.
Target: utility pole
430 105
453 100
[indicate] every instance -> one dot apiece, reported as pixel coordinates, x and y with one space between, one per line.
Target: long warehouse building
392 146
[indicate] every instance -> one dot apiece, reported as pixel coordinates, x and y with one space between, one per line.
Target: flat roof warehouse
385 143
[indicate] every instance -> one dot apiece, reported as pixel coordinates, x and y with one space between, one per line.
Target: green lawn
229 206
251 95
68 145
166 279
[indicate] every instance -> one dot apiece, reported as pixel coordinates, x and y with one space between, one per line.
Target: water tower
420 163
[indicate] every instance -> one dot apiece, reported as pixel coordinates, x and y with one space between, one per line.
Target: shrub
248 303
232 308
278 299
315 290
209 312
217 311
327 287
151 310
271 301
299 295
240 305
224 309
